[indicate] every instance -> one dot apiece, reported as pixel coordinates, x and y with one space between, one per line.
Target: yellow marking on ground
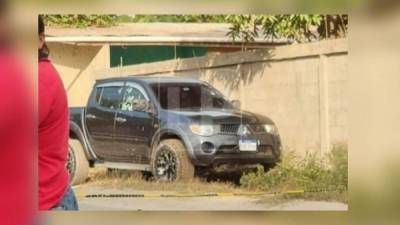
295 192
81 195
225 194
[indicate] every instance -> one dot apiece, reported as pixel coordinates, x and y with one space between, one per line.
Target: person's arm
45 89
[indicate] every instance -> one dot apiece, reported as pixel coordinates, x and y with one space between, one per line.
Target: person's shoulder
45 63
47 70
48 75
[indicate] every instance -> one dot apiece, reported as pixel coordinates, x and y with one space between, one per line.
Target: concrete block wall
288 92
75 64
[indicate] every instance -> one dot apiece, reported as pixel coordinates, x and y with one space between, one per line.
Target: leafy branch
294 27
80 21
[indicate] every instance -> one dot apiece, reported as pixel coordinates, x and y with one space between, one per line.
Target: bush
80 21
311 172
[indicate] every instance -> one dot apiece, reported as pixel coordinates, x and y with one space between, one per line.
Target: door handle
120 120
90 116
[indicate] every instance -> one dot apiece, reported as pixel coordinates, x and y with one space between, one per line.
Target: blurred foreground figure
55 192
17 148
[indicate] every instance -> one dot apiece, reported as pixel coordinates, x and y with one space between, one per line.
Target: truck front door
133 126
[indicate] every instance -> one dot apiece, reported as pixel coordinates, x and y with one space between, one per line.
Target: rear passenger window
109 97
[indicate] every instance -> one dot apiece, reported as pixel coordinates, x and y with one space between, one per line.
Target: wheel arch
75 132
169 133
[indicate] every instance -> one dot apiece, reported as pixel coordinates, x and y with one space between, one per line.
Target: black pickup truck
168 126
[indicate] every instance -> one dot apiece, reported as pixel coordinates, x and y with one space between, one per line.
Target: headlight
201 129
271 129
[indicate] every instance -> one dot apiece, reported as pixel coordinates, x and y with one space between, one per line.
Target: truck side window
132 97
110 97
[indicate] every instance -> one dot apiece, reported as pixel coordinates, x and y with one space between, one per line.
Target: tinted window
189 95
110 97
132 98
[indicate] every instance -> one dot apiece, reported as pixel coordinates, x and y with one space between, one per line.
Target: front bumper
224 149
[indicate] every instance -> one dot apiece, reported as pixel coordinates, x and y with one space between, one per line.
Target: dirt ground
224 203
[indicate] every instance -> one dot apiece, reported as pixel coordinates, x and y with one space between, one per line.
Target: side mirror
236 103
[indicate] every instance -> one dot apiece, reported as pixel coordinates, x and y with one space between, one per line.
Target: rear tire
170 162
77 163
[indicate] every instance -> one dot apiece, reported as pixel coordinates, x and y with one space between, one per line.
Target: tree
294 27
80 21
179 18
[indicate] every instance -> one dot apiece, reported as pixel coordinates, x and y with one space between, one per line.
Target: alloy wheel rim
166 165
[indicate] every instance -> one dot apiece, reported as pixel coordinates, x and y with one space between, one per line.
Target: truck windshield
189 96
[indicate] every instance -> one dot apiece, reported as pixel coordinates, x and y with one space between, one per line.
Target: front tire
77 163
170 162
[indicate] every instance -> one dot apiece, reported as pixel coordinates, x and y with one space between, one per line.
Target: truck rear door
100 118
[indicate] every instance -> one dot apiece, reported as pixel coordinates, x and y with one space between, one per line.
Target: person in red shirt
55 193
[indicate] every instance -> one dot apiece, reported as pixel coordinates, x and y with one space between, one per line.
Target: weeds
309 173
135 180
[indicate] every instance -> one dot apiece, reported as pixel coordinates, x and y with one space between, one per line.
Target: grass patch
310 173
134 180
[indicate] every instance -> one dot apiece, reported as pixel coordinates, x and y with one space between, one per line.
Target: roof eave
157 40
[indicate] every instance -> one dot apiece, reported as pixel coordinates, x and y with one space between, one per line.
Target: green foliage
179 18
294 27
80 21
338 159
310 172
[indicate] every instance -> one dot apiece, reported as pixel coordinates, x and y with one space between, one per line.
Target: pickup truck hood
224 116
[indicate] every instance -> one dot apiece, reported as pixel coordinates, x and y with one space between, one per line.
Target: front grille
229 129
227 149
